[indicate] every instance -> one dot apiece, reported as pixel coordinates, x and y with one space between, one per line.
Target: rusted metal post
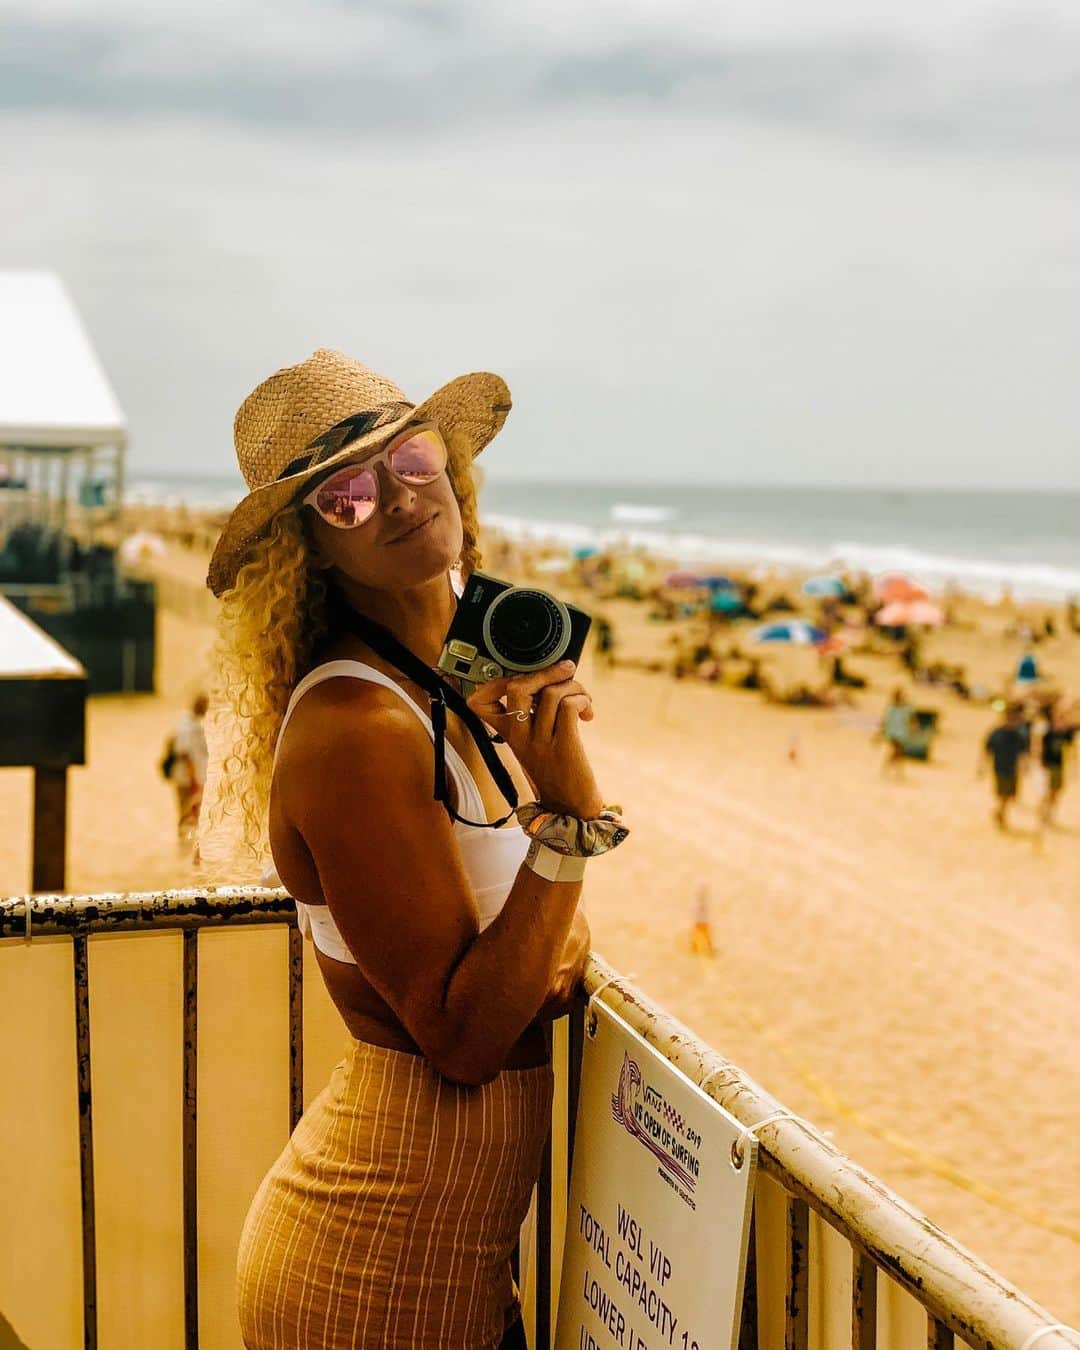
938 1335
542 1332
49 866
543 1253
190 1139
797 1301
86 1140
748 1326
296 1026
863 1301
575 1042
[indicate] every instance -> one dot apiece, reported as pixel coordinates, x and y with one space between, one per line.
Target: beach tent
59 417
63 437
53 390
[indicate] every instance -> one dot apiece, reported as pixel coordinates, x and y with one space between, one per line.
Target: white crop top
491 857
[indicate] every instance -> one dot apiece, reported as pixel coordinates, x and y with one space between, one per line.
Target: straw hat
307 417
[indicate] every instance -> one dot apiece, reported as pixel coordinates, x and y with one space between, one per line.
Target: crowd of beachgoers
832 640
890 648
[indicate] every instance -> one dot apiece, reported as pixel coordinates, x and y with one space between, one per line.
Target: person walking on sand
895 730
1058 742
188 772
1007 748
604 631
447 930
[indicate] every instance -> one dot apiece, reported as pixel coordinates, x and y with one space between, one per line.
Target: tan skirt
390 1216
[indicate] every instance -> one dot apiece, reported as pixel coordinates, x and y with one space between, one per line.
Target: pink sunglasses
350 495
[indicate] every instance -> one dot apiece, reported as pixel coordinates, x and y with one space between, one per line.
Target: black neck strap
441 695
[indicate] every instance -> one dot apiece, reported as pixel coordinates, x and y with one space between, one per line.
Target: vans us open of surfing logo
647 1116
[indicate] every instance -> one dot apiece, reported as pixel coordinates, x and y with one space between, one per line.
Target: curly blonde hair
268 625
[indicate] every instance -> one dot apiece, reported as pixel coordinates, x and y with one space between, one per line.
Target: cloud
922 71
780 306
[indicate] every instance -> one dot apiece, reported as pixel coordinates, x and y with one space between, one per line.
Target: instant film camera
501 629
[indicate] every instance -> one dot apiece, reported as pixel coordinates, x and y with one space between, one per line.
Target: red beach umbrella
908 613
897 586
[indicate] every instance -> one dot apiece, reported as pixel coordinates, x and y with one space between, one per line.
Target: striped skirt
390 1216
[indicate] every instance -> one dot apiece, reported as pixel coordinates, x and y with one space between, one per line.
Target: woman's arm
570 971
357 786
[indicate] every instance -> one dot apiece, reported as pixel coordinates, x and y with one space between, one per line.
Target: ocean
980 541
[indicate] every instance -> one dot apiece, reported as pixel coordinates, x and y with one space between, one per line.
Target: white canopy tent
62 430
63 438
53 390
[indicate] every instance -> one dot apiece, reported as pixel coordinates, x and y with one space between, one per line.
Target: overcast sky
758 241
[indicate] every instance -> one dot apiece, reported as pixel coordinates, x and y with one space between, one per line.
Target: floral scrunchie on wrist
572 837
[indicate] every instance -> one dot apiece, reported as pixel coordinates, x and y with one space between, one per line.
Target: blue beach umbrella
796 632
586 551
725 602
822 586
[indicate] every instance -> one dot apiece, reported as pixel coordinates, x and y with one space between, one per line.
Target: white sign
659 1215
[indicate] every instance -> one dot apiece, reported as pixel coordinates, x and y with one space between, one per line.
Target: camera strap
441 696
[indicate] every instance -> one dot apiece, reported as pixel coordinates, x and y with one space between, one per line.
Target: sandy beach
887 963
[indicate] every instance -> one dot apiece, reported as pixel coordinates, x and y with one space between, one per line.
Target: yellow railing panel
41 1242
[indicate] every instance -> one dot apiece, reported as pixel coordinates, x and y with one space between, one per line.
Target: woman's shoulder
350 744
342 706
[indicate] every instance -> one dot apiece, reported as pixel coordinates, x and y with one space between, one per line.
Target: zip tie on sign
1045 1331
631 975
738 1153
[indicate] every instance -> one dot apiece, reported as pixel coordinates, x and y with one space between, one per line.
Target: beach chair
919 734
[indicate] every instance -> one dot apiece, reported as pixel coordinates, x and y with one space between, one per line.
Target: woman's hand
571 971
537 715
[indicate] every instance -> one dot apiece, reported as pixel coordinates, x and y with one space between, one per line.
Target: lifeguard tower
63 437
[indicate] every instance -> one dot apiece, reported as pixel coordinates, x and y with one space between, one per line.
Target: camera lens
527 630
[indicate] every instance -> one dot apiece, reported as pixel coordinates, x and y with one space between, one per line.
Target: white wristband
552 866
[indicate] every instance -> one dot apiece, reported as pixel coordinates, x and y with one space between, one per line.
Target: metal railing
962 1298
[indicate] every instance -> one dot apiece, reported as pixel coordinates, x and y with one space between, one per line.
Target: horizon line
899 489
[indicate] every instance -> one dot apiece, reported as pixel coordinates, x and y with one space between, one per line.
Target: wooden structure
43 727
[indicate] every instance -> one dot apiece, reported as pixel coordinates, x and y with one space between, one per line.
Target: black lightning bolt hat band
342 434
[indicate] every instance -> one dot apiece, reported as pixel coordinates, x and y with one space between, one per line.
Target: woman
390 1216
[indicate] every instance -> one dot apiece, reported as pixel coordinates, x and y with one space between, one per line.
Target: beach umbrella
586 551
141 548
687 580
725 602
796 632
897 586
906 613
824 586
1027 672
